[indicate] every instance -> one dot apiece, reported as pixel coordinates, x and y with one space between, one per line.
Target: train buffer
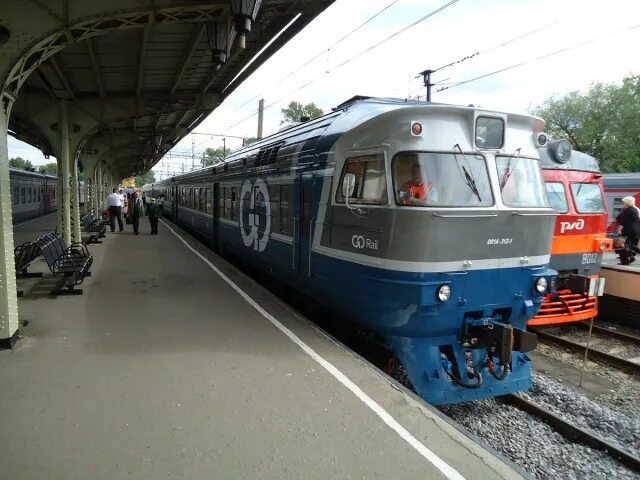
176 364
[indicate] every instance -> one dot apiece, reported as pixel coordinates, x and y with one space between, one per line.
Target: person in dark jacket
629 226
137 211
153 212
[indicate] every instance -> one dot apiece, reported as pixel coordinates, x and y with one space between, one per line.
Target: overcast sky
466 27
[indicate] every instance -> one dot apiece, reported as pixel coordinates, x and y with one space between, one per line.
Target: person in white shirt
114 203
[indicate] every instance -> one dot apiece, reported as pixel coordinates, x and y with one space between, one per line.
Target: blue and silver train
429 224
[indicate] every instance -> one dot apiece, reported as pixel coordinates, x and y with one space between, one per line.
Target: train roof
621 180
27 173
577 161
322 132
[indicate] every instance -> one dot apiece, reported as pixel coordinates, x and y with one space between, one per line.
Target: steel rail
610 333
575 433
593 353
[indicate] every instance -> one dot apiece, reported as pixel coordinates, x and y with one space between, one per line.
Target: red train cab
575 190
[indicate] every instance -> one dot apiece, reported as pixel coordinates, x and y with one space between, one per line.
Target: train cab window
489 132
557 197
23 195
16 195
521 182
286 220
588 197
430 179
207 201
371 180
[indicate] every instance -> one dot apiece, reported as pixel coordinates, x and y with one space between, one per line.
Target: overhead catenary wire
540 57
315 57
352 58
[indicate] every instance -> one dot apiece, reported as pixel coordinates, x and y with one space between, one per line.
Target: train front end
574 187
454 260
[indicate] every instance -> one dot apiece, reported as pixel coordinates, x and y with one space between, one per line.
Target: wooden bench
73 262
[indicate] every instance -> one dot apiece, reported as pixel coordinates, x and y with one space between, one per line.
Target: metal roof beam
61 76
193 42
143 54
96 69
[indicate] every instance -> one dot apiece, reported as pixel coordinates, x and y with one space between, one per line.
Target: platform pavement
164 370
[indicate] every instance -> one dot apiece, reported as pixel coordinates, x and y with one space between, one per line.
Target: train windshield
521 182
441 180
588 197
557 196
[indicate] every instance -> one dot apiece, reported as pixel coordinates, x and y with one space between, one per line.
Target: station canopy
137 75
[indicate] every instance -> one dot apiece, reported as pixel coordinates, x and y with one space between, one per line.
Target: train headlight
541 284
443 293
560 150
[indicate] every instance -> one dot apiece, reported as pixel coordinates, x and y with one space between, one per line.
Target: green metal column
100 189
75 201
65 160
8 297
89 164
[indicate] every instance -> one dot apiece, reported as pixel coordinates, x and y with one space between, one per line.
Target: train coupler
499 339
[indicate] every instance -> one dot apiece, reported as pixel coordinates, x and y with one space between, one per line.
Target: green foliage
145 178
603 122
19 162
49 168
295 111
215 155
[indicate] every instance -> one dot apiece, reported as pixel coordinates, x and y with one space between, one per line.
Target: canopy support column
63 169
8 296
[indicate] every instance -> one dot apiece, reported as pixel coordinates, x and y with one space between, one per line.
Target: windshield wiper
468 178
508 170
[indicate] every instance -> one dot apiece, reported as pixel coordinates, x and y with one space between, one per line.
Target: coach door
215 234
174 204
306 225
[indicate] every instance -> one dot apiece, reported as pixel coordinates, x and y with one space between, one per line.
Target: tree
49 168
216 155
19 162
145 178
295 112
603 122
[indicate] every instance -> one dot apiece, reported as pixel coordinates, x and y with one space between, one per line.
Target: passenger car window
285 218
588 197
557 196
441 180
371 180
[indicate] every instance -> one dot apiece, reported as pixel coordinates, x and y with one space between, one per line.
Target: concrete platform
163 369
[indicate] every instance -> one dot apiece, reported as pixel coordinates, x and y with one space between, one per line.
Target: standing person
629 226
136 210
153 212
114 203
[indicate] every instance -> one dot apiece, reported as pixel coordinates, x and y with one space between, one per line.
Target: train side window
371 180
34 195
29 196
557 197
207 200
286 219
201 200
16 195
233 203
23 195
223 202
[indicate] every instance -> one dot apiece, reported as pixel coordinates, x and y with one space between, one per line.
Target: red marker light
416 129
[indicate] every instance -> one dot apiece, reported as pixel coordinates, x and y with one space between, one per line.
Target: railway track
575 433
609 332
593 354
